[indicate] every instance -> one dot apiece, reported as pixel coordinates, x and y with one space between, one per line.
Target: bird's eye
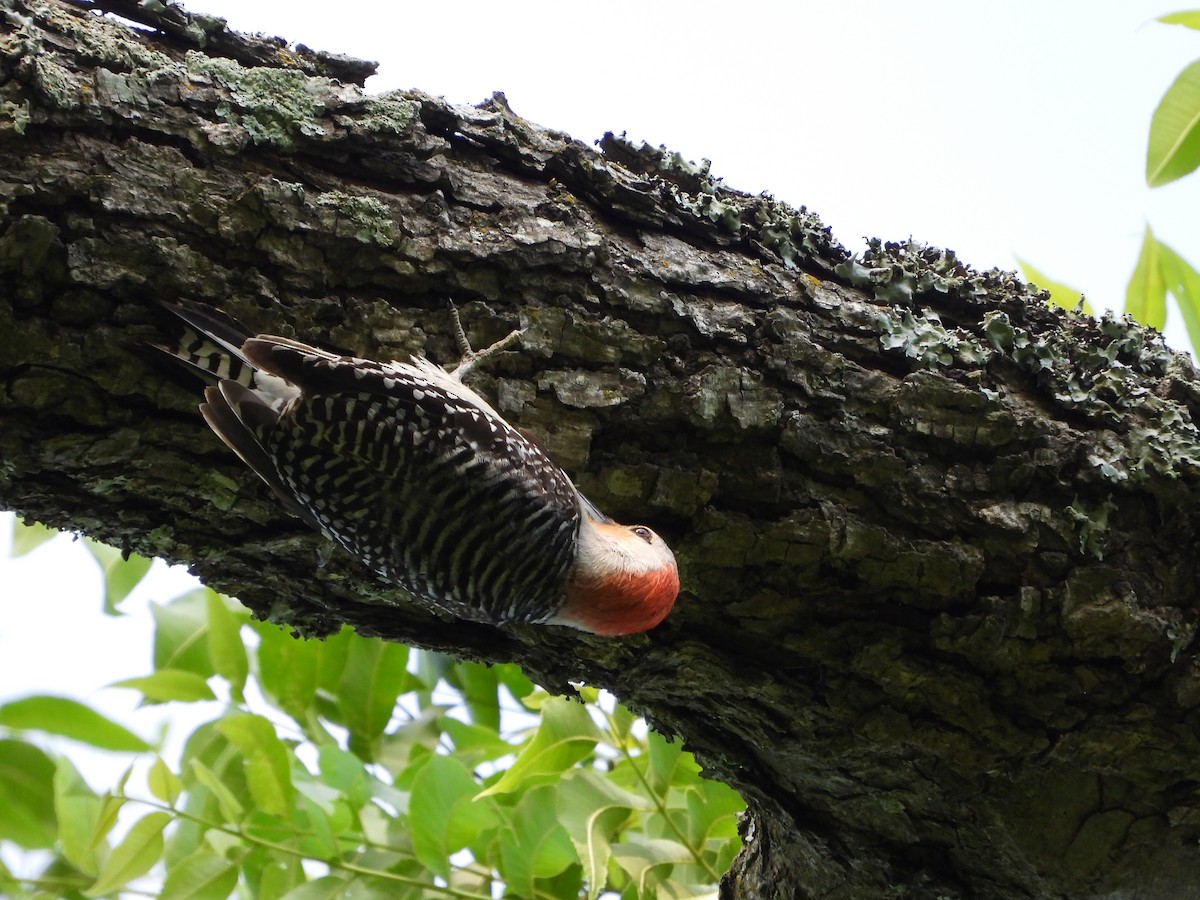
644 533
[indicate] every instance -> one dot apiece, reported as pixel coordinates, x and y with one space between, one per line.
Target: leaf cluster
350 767
1172 151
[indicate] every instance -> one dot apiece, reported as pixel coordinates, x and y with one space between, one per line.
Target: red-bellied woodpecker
414 473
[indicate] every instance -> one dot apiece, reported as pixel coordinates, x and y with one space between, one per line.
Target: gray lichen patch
920 336
272 106
717 394
1170 447
58 85
676 263
391 113
1105 380
796 235
553 332
15 114
687 192
110 44
1091 520
101 42
119 69
364 218
904 272
715 318
585 390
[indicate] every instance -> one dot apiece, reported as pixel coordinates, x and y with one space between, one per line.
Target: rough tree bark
936 538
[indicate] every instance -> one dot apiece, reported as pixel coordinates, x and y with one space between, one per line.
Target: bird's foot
471 358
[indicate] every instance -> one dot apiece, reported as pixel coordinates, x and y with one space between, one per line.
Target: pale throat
621 584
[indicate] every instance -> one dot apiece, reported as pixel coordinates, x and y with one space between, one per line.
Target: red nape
622 604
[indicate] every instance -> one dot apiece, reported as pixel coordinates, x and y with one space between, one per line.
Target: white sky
997 129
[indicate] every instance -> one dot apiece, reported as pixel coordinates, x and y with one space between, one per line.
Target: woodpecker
411 471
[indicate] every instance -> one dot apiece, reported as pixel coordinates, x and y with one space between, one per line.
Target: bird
412 472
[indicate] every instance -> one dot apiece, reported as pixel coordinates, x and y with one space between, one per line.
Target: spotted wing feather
413 473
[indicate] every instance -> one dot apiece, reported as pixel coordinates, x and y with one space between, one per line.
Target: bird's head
625 580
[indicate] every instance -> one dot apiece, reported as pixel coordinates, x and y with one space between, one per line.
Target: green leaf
345 773
712 812
276 876
26 795
213 777
432 667
411 741
317 838
565 735
1187 18
8 884
181 634
515 680
227 800
1183 281
226 649
267 762
110 809
588 694
480 690
28 537
287 670
669 766
1146 293
201 876
1174 147
121 572
638 858
591 810
474 743
167 685
70 719
443 816
78 809
1061 295
621 724
134 856
264 826
375 675
163 783
533 844
330 887
332 653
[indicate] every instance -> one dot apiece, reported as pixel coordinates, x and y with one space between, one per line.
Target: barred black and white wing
403 466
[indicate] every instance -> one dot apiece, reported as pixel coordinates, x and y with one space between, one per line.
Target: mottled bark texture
937 540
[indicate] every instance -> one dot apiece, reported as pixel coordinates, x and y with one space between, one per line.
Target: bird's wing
413 472
444 411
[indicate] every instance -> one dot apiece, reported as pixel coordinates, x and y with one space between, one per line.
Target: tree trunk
936 538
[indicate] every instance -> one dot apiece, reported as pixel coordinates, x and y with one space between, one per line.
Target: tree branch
936 538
